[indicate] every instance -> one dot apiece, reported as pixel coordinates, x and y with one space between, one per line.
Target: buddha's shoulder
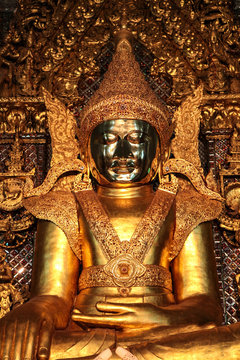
191 208
190 201
59 207
59 202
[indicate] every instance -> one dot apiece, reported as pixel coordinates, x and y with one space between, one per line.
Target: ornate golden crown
124 94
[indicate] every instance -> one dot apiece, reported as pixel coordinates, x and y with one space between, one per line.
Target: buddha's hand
124 316
26 332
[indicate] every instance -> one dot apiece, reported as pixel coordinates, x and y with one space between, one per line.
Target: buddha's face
123 150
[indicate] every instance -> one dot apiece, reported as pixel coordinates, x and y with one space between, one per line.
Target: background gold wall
66 46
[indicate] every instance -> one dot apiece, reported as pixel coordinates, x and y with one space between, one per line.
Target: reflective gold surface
148 279
52 295
70 37
194 268
129 317
123 150
55 266
147 307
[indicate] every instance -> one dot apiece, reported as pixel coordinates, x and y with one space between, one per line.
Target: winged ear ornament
65 151
62 128
187 124
184 146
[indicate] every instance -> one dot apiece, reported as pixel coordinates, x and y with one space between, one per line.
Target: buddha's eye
135 137
110 138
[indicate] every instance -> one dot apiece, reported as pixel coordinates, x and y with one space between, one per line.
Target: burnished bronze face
123 150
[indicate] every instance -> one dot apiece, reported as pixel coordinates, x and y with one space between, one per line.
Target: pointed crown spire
124 94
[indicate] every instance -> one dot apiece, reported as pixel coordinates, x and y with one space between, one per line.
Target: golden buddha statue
123 266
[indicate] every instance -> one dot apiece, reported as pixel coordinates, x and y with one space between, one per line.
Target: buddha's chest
142 227
125 215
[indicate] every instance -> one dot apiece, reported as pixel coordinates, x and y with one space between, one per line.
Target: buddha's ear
82 156
166 153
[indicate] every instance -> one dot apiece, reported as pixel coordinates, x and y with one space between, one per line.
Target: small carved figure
5 271
148 276
5 302
9 296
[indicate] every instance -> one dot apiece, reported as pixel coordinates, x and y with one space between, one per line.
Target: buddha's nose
123 150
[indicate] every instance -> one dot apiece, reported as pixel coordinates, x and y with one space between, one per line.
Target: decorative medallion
124 269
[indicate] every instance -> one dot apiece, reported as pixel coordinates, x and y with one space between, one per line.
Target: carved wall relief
230 188
66 47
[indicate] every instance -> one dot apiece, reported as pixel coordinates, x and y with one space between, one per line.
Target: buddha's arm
195 287
28 329
56 268
195 280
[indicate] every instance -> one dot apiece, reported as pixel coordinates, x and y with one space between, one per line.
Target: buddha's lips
123 163
123 169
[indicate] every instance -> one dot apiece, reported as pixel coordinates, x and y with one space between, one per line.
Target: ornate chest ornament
124 269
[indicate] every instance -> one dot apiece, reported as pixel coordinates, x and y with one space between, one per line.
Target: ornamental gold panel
54 44
58 45
23 115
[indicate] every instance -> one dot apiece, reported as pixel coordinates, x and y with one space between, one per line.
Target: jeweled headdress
124 94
